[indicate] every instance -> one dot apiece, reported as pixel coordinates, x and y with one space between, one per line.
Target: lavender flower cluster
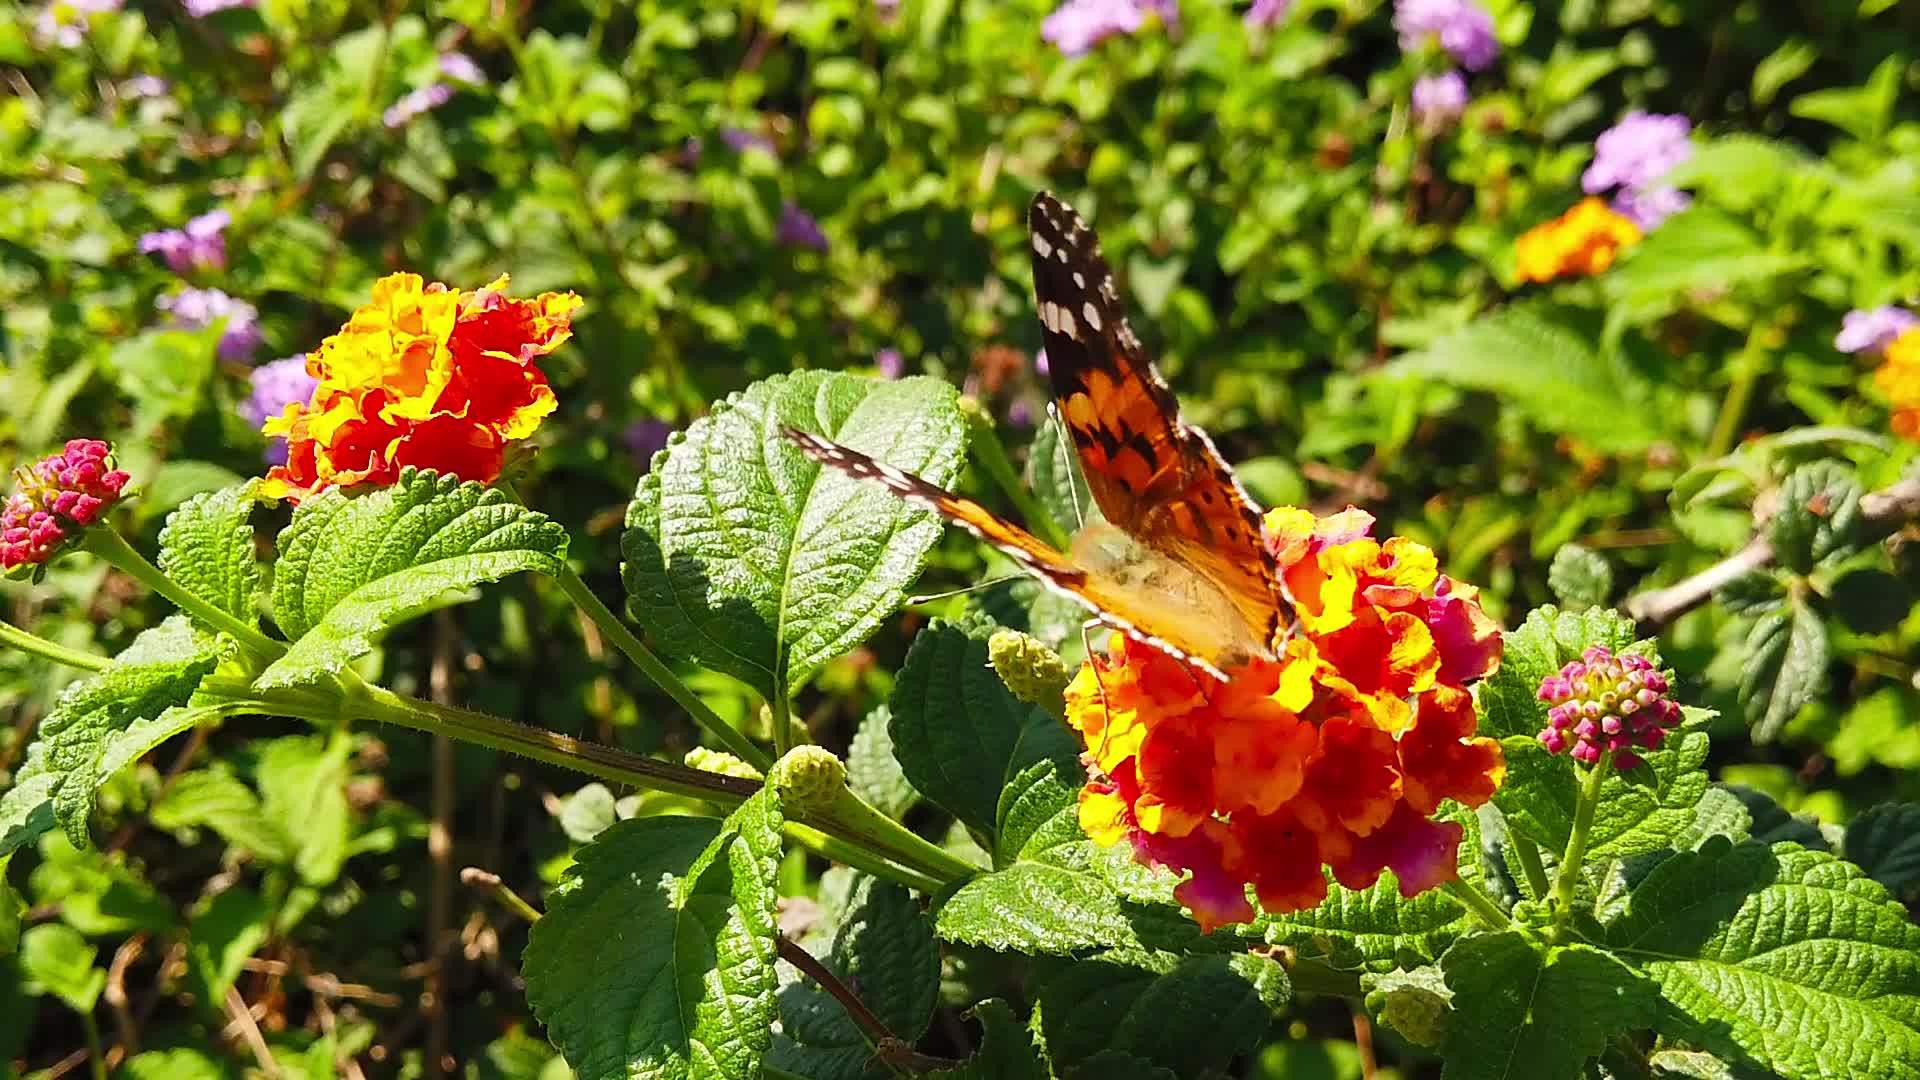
1633 157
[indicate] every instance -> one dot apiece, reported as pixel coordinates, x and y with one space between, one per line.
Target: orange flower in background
1899 379
423 376
1328 760
1579 243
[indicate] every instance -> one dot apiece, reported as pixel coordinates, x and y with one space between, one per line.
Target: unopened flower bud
1030 670
1611 704
719 761
59 496
809 777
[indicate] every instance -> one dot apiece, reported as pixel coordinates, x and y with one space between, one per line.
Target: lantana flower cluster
426 376
1334 755
1581 242
1632 159
1899 379
1602 703
57 496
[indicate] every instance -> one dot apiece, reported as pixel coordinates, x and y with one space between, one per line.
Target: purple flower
1649 207
1266 12
460 67
1873 329
798 229
1078 25
199 245
891 364
200 9
196 309
64 22
1438 100
144 86
742 140
1637 151
1463 27
402 112
645 438
276 385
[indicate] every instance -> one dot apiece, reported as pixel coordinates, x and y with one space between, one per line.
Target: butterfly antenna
975 587
1060 443
1100 686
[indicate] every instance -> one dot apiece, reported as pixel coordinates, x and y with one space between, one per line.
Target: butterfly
1179 562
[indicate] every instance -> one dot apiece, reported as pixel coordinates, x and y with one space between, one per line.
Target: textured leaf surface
1640 811
158 671
1376 927
1006 1049
1885 842
1818 515
959 734
1537 364
207 546
1039 810
353 566
656 957
884 947
1192 1014
1522 1012
1785 667
1053 474
873 772
749 557
1788 957
1581 577
1548 639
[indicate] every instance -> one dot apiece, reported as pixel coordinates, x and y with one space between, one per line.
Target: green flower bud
1030 670
1415 1003
717 761
809 777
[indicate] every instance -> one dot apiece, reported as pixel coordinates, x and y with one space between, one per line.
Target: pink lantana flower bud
1602 702
59 496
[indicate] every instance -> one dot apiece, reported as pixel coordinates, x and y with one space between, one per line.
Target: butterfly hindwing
1152 475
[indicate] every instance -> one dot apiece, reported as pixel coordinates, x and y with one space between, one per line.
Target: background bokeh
744 189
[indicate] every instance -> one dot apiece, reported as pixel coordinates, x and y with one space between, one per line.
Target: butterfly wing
1152 475
1119 603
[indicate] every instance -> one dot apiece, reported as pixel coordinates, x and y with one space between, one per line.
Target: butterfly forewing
1152 475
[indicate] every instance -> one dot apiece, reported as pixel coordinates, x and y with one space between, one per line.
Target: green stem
1529 855
1478 902
1569 871
991 453
781 713
50 650
837 850
854 819
508 899
1733 409
108 544
96 1056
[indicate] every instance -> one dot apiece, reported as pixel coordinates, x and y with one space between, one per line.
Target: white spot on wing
1041 247
1091 314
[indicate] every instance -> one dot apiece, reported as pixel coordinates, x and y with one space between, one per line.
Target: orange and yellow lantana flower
423 376
1337 754
1579 243
1899 379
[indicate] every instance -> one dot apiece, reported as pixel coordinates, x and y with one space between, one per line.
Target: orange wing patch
1157 478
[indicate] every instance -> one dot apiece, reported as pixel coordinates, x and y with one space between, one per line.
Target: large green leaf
1540 366
1785 666
1704 248
354 565
207 547
749 557
959 733
57 960
1522 1011
885 947
1641 811
1191 1014
1006 1049
158 671
226 930
656 956
1784 956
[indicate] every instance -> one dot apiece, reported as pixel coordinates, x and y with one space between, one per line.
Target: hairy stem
108 544
853 818
51 650
1576 856
1477 901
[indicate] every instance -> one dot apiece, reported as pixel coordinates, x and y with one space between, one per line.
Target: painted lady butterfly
1179 562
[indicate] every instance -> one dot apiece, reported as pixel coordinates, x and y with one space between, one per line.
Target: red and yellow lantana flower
1337 754
1899 379
423 376
1579 243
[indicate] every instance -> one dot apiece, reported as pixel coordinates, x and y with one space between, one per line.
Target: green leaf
873 772
1530 357
58 961
1415 1002
1376 927
219 801
1885 843
588 812
885 949
1871 600
1770 823
749 557
207 548
1645 810
1755 594
178 1063
354 565
1817 517
656 955
1784 669
13 912
1039 810
99 896
158 671
1705 249
1193 1014
227 929
1006 1049
958 732
303 783
1053 474
1788 957
26 810
1526 1012
1580 577
1539 647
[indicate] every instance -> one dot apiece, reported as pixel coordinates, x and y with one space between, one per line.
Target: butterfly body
1180 563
